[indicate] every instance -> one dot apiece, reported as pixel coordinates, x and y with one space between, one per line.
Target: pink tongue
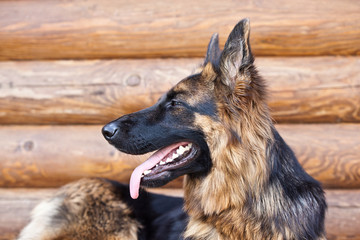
148 164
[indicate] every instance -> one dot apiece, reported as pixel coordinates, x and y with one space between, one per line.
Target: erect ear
213 51
236 55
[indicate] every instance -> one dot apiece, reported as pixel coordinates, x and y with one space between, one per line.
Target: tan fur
40 227
195 92
233 200
202 230
238 143
216 202
86 209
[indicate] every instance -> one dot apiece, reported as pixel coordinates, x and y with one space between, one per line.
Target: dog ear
236 56
213 51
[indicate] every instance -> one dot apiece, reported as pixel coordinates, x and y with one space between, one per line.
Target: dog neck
239 173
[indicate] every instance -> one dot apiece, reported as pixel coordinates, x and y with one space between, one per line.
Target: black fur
161 125
304 192
279 200
162 217
301 209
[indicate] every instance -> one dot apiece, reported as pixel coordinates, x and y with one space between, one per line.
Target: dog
242 181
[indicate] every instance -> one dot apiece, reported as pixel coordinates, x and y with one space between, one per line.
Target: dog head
189 123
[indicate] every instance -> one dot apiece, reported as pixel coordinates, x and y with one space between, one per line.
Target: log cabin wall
68 67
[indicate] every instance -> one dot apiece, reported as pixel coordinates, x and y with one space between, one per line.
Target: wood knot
133 80
28 146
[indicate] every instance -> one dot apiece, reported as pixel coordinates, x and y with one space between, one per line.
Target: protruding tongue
148 164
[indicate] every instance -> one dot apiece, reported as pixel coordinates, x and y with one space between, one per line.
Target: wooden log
50 156
341 222
329 152
343 214
15 209
117 29
312 90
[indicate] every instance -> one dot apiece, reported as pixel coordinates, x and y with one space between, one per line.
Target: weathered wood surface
342 216
118 28
344 206
15 209
45 156
329 152
317 89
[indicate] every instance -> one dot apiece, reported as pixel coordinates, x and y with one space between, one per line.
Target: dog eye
174 103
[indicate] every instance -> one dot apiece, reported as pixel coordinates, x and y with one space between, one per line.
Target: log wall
68 67
343 206
311 90
142 29
50 156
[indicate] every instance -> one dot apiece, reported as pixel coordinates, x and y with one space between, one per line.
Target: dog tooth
180 150
174 156
162 162
146 172
168 160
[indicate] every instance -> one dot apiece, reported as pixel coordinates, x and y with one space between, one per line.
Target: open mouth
161 162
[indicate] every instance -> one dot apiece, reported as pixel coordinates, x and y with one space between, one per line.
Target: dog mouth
161 163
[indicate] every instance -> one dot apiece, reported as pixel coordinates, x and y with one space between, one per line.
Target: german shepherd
241 179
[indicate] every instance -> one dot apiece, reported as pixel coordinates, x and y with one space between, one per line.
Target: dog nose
109 130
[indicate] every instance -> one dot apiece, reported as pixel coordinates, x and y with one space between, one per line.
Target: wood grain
344 206
140 29
15 209
342 216
302 90
50 156
328 152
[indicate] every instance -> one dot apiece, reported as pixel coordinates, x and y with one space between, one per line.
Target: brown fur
254 187
86 209
217 204
239 169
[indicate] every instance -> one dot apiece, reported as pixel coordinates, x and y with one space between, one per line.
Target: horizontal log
330 153
312 90
119 28
342 216
50 156
15 209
